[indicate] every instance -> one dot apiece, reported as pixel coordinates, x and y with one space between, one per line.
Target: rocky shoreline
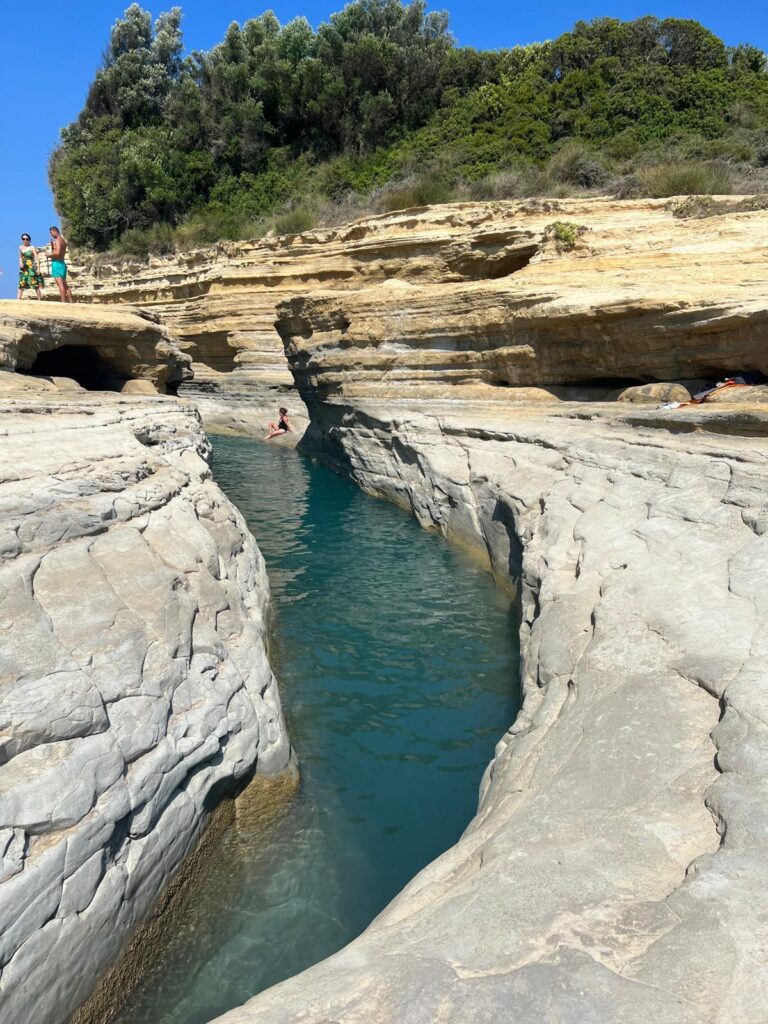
136 688
614 868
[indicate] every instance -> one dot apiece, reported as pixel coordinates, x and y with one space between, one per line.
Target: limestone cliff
134 683
220 304
616 869
473 299
114 349
476 296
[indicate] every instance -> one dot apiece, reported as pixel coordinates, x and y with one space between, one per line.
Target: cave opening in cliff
85 365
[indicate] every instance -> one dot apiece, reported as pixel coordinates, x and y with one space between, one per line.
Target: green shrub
576 164
565 234
141 242
293 222
685 179
503 184
427 191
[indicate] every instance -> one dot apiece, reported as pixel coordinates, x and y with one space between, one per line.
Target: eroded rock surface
616 869
111 348
134 684
475 296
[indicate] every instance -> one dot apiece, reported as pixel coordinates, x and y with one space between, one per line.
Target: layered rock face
220 303
474 296
464 300
113 349
616 869
134 684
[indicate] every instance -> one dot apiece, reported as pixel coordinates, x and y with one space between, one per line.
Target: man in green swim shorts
58 264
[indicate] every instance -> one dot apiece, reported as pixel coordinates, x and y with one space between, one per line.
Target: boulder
654 394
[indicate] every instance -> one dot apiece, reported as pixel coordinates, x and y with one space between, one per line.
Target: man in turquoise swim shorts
58 264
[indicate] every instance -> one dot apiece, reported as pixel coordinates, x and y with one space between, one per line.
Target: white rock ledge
616 870
134 684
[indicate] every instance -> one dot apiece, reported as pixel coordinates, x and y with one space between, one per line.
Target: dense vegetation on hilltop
378 108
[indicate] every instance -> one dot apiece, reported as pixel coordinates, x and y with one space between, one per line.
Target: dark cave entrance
81 364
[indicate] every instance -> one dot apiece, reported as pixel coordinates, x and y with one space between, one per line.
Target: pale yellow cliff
475 295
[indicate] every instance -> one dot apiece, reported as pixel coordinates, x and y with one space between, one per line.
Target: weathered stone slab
123 702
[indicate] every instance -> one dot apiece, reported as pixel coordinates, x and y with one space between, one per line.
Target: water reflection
397 659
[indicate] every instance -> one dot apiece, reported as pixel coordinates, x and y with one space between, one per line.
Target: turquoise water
397 663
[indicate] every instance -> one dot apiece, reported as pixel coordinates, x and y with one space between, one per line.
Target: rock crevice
615 864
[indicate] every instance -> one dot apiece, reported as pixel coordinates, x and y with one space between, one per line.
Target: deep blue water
397 663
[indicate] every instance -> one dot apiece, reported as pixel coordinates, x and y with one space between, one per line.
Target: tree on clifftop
275 113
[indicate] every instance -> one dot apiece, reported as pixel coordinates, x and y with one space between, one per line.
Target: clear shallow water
397 663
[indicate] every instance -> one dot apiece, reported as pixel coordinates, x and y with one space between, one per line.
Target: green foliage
295 221
565 234
428 190
575 164
685 179
378 109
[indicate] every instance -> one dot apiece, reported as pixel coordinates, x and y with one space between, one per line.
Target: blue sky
48 56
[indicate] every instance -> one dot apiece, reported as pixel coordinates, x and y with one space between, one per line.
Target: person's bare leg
60 284
39 294
21 292
68 291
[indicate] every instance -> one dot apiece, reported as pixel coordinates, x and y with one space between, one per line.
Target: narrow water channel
397 663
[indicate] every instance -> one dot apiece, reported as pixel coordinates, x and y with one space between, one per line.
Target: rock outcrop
111 349
134 683
220 304
471 299
616 869
475 297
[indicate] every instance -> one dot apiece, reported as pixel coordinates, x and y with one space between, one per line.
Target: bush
685 179
426 191
576 164
293 222
565 234
141 242
505 184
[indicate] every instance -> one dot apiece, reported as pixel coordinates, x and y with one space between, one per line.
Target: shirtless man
58 264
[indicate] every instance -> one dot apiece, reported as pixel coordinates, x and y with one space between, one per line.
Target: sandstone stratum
496 369
110 349
135 690
474 297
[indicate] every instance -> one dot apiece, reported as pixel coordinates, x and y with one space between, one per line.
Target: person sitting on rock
29 268
283 425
